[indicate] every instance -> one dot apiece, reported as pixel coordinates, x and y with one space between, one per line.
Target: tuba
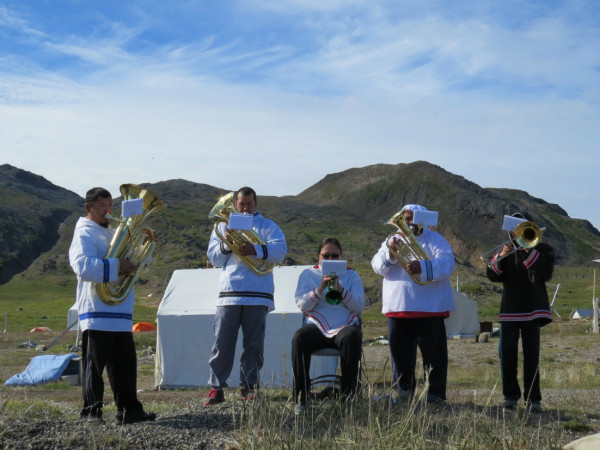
526 235
408 248
131 240
220 213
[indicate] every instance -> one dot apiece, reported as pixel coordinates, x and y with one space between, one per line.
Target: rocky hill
470 216
31 211
352 205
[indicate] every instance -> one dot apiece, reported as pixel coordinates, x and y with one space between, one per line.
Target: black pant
116 352
308 339
509 359
429 333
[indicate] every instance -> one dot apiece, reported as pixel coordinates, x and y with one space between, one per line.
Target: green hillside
352 205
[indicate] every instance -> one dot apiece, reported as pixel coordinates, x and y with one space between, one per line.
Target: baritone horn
220 213
131 240
526 235
407 248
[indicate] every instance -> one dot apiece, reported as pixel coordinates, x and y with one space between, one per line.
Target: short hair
523 215
95 193
245 191
329 240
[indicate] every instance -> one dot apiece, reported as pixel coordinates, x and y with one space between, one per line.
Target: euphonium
526 235
220 213
408 248
132 241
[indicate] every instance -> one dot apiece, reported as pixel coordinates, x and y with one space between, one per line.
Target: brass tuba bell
132 241
408 248
220 213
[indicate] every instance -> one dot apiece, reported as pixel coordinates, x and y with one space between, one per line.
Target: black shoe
535 407
92 418
509 403
300 408
138 416
433 399
325 393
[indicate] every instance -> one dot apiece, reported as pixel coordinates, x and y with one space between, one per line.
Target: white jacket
86 256
401 293
238 285
330 319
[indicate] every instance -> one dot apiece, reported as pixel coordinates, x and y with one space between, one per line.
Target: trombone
526 235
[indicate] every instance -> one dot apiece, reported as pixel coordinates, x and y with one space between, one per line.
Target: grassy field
45 302
471 419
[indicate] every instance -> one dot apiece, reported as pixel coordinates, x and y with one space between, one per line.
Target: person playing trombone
524 309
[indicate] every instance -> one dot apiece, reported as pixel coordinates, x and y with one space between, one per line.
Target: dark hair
93 194
329 240
523 215
245 191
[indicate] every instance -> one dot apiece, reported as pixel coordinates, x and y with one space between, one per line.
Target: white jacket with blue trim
86 256
238 285
400 292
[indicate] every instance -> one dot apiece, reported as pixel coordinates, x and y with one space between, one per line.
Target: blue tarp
41 369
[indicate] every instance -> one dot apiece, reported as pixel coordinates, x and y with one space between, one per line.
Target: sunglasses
330 255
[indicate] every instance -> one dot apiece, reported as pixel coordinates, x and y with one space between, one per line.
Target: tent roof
582 313
39 329
195 291
143 326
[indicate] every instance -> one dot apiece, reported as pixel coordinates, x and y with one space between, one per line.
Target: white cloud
278 98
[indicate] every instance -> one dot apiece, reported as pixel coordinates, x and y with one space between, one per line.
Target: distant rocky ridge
31 211
353 205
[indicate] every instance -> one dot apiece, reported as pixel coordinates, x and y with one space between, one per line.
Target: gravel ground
184 423
183 427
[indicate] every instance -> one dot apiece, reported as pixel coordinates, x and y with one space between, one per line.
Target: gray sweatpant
228 320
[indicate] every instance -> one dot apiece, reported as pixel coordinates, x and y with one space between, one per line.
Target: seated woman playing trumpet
332 305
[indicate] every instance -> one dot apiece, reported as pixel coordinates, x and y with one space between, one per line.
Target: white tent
581 313
73 318
464 320
185 335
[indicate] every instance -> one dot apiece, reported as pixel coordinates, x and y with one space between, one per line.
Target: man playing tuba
245 297
416 299
107 329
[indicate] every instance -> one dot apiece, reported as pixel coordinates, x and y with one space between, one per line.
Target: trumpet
333 296
526 235
220 213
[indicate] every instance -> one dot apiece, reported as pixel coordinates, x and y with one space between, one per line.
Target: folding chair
328 377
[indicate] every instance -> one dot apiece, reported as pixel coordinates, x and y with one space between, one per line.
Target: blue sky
278 94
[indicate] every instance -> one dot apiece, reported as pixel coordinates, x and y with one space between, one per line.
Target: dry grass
471 419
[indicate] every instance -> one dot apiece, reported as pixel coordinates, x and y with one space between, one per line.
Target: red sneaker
215 396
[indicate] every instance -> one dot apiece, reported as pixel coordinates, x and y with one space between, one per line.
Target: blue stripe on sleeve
106 270
429 268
